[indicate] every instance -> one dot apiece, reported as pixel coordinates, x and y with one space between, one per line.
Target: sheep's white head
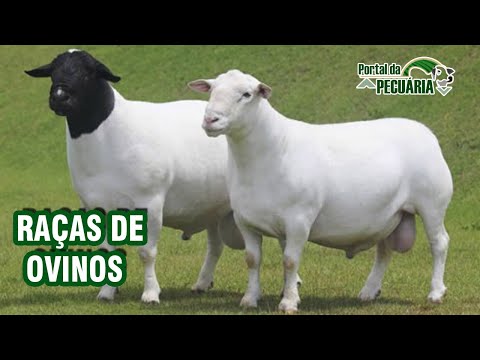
232 96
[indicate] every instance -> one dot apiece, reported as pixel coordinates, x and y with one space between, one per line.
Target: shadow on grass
173 296
48 298
182 300
315 303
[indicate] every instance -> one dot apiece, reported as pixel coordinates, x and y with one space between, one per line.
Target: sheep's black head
77 79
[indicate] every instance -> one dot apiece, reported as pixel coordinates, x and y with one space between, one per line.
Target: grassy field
314 83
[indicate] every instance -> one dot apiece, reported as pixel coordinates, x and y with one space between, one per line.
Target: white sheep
347 186
131 154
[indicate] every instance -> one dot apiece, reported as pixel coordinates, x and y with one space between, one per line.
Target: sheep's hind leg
438 239
214 250
401 240
373 285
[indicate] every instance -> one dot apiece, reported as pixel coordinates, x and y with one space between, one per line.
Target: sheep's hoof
200 289
107 294
105 299
249 301
436 297
186 237
366 295
288 307
151 302
150 297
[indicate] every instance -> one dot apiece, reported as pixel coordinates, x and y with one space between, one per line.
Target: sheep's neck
261 139
96 108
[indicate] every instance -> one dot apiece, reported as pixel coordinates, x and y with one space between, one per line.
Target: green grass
313 83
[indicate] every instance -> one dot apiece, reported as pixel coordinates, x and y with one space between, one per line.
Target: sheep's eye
246 95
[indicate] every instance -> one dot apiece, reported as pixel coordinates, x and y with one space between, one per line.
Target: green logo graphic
420 76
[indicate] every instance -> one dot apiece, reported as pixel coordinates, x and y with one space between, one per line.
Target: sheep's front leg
297 236
148 254
253 258
107 292
214 250
283 243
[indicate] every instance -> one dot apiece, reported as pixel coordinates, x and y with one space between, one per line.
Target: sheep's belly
354 237
190 214
192 206
192 221
94 193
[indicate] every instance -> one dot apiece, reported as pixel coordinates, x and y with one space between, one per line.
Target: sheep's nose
210 119
60 95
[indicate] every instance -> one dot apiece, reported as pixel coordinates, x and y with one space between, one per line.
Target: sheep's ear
264 91
450 71
104 73
434 73
203 86
41 72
